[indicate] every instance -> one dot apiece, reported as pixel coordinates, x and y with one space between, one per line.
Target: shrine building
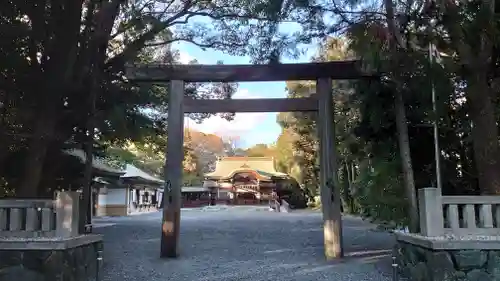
248 180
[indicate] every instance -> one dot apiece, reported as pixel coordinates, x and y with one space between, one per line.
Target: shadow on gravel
256 246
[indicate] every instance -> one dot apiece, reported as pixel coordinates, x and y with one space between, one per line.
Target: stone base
67 261
425 259
112 210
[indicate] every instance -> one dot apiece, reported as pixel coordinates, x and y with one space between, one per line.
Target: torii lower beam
251 105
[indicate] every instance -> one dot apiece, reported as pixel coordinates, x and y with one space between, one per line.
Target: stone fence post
67 209
430 208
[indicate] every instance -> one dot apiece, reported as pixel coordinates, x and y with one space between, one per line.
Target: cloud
185 58
240 125
246 125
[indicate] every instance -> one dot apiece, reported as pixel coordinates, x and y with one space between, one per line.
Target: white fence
40 218
458 215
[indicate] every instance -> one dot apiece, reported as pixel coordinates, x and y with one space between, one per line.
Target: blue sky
250 128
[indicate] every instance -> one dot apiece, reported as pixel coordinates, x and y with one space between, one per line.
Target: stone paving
242 243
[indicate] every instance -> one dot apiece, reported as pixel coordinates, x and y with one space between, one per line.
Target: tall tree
261 150
207 147
285 161
463 33
75 53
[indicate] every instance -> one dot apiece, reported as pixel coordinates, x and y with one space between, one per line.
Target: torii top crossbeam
337 70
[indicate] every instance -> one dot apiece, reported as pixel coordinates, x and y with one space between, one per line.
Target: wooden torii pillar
329 188
173 172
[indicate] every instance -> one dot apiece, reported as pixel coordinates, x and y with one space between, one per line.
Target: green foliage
301 130
260 150
381 195
149 156
365 118
63 79
285 154
298 142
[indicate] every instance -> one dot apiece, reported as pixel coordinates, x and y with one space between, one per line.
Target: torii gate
321 102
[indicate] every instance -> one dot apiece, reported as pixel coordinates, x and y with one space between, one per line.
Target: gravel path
241 243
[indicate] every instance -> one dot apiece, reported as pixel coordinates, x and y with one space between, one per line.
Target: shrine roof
134 173
98 164
226 167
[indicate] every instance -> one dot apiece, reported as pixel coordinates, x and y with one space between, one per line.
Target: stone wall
71 264
419 263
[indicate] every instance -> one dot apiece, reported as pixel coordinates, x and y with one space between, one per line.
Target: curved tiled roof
226 167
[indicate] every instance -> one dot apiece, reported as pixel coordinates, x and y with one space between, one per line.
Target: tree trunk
347 188
86 211
96 52
353 177
484 134
351 170
4 139
33 165
62 49
404 151
401 123
4 150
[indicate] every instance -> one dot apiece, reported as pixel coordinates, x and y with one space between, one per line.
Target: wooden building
103 176
137 191
195 196
251 180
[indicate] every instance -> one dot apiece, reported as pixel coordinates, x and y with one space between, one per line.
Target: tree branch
133 48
